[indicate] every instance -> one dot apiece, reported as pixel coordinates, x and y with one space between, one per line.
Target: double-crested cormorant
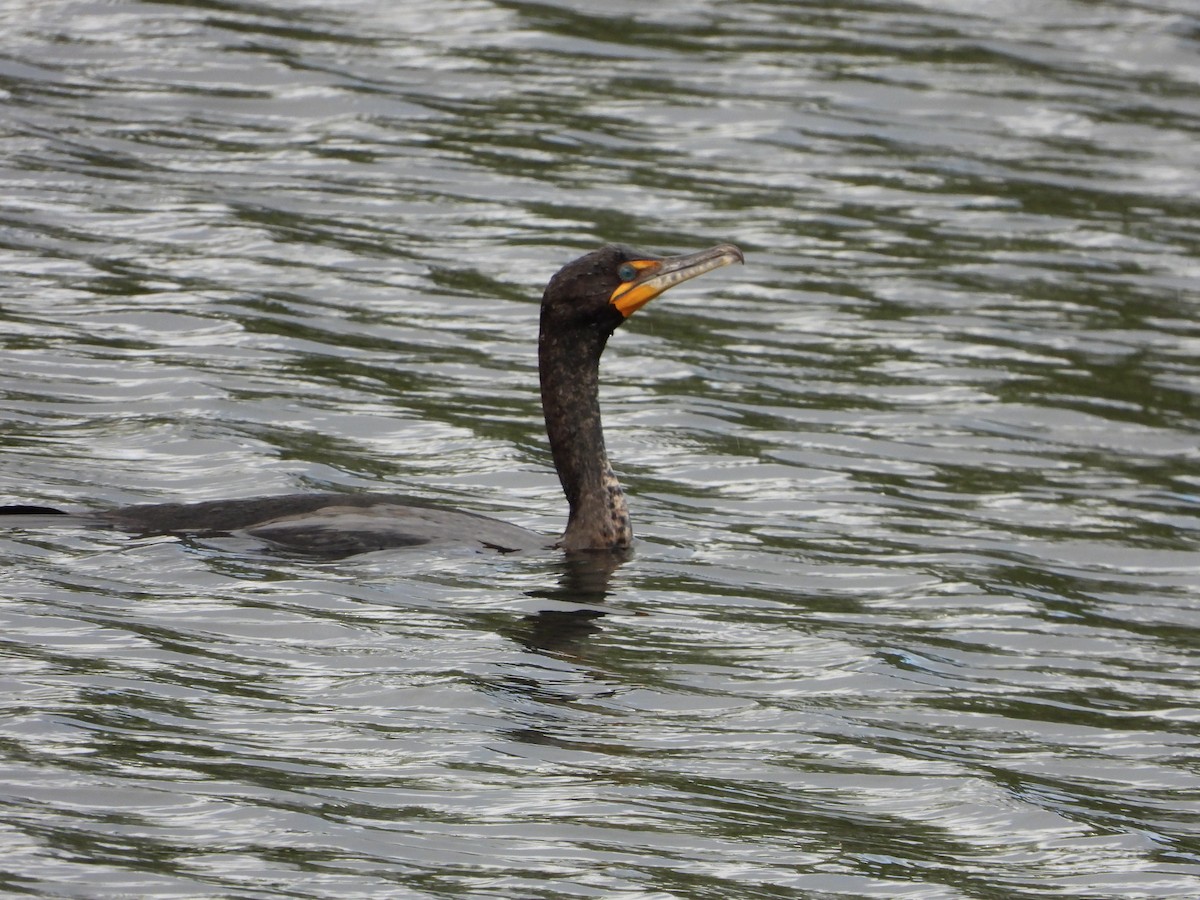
584 303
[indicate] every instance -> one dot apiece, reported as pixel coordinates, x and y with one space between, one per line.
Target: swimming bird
583 304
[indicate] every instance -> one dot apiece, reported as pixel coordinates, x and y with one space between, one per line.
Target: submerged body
582 306
330 525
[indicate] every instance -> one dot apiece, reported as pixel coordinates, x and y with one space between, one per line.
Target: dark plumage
584 303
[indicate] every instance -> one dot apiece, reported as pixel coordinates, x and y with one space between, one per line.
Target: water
913 611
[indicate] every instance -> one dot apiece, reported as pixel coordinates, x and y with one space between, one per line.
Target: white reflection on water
913 612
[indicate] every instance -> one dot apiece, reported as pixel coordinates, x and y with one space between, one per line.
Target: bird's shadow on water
584 578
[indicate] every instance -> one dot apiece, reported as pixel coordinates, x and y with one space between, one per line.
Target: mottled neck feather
569 363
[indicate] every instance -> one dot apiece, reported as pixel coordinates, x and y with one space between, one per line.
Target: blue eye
627 272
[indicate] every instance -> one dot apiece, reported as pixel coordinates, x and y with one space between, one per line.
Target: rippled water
914 607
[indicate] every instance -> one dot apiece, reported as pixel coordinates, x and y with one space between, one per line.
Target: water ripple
912 612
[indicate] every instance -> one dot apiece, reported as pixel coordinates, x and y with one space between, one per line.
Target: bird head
605 287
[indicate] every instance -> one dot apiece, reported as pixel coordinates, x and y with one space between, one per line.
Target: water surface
913 610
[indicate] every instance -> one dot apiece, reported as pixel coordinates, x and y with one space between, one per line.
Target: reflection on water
913 610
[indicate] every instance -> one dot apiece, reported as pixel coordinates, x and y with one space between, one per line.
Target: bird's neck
570 375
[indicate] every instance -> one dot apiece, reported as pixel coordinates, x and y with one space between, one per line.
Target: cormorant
583 304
